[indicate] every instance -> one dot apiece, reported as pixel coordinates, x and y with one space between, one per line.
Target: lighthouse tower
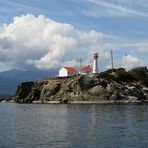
95 64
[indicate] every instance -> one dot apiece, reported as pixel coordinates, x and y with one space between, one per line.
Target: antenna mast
80 64
112 62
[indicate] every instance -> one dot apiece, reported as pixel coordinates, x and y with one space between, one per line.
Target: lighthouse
95 64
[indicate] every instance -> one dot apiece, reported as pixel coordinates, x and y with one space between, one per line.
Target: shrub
119 75
106 75
124 76
141 74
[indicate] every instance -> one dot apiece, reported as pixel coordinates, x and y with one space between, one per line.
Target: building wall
72 73
86 72
63 72
95 66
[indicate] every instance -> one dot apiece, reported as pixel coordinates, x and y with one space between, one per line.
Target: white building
95 64
67 71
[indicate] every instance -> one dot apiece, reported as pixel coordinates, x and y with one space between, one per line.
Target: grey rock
50 90
79 88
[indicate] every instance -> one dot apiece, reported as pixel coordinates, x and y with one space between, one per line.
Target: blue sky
123 24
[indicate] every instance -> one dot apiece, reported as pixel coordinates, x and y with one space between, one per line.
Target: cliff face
83 88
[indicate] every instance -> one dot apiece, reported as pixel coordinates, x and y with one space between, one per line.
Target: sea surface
73 126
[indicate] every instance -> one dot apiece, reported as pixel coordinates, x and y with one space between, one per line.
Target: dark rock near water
23 92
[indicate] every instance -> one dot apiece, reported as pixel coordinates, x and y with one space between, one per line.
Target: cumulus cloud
130 61
37 41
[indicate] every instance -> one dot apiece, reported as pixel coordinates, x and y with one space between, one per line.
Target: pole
80 64
112 62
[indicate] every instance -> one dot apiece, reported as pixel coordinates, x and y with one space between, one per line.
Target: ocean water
73 126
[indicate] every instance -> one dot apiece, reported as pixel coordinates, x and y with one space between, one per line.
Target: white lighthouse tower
95 64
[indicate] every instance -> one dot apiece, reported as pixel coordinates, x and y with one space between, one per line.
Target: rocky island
111 86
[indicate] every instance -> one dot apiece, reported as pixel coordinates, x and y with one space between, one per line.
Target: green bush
106 75
141 74
124 76
138 74
119 75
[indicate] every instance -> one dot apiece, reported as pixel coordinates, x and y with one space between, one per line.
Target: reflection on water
73 126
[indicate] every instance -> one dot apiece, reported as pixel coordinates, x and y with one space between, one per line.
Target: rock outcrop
82 88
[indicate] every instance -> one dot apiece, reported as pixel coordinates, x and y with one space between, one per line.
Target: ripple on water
71 126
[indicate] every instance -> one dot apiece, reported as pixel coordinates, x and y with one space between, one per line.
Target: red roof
70 68
87 68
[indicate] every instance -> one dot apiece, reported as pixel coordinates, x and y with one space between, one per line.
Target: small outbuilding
67 71
86 70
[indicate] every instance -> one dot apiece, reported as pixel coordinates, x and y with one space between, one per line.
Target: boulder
97 90
86 82
50 90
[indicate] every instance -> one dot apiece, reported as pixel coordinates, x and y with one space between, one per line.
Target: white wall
95 66
63 72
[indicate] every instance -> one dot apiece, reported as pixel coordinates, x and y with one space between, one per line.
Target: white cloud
130 61
119 8
31 41
143 49
39 42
